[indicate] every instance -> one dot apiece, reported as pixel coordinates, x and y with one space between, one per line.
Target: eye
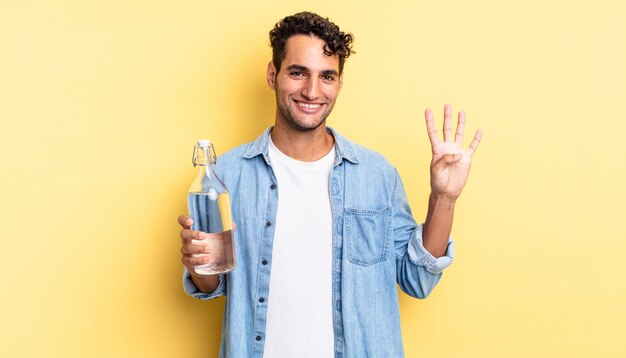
296 74
328 78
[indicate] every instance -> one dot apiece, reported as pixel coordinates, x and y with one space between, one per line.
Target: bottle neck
204 156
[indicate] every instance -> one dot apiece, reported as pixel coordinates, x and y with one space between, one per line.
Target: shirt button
264 262
261 299
273 186
258 338
268 224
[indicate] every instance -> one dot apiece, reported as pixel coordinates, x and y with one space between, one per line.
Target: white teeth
309 105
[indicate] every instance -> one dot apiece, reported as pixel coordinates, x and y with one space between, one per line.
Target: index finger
185 221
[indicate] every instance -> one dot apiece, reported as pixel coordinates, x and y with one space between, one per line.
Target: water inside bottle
211 214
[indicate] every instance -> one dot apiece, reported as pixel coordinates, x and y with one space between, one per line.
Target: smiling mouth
308 105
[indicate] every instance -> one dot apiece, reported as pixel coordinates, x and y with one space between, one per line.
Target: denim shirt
376 244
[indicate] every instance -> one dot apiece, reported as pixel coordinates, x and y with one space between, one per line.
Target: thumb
445 160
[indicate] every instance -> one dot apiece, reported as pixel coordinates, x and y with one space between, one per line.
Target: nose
311 89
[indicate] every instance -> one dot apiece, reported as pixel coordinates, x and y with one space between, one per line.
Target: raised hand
450 164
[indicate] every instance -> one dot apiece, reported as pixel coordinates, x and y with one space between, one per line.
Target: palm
448 174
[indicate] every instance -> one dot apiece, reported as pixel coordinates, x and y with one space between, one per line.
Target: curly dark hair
308 23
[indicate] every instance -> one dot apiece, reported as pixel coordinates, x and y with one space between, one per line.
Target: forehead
308 51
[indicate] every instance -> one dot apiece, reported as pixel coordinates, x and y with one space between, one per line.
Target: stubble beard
291 120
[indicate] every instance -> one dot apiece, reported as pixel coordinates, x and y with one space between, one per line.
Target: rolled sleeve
421 257
191 289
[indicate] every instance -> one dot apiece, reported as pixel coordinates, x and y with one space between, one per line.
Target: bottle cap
204 143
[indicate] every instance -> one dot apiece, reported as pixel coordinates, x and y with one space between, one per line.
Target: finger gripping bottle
209 208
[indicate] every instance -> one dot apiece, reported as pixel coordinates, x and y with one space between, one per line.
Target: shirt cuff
191 289
421 257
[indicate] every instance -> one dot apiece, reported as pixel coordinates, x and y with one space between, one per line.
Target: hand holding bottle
195 249
196 253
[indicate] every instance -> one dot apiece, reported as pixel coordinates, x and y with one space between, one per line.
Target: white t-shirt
299 317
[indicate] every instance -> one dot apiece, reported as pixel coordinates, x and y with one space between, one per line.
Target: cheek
331 93
283 89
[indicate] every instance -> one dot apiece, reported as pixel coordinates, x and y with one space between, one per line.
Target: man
324 230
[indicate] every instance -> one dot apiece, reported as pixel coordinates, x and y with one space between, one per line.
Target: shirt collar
343 147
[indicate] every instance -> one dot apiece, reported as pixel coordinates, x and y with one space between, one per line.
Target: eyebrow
306 70
298 68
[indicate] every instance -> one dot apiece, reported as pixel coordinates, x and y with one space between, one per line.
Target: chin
303 125
306 126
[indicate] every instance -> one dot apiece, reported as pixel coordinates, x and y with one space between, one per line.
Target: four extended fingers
447 129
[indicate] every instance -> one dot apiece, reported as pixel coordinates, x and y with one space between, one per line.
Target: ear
271 75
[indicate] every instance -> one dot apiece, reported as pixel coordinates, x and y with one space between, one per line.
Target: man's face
307 84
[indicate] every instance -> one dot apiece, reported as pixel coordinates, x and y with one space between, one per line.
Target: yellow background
101 102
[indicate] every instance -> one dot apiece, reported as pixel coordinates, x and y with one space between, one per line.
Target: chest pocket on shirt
367 234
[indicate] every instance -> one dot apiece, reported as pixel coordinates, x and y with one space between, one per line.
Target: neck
306 146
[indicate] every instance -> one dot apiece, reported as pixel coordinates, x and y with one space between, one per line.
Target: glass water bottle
209 208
